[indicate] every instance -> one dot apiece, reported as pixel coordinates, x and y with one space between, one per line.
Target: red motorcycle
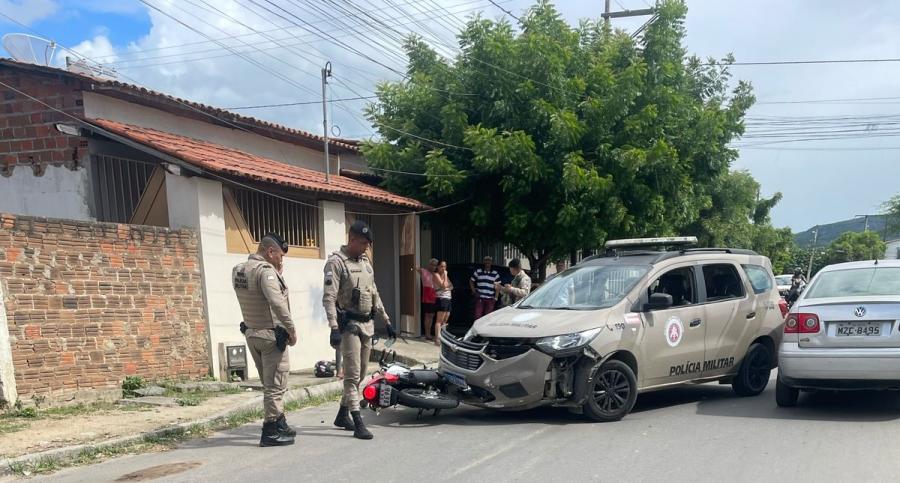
395 383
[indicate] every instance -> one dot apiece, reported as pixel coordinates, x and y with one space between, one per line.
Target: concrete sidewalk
303 386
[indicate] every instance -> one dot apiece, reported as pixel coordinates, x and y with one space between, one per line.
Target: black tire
785 396
611 392
753 374
427 399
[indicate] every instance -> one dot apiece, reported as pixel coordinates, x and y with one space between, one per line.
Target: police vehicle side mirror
658 301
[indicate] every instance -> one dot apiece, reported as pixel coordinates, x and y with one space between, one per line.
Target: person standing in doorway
351 301
483 286
519 287
429 296
444 288
263 297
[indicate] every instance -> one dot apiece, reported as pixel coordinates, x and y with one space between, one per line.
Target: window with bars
263 213
118 186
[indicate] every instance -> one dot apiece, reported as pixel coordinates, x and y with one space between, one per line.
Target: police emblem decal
674 331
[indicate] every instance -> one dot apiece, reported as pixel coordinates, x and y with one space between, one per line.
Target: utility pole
812 253
326 73
607 14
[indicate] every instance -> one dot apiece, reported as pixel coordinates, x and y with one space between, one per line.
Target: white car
783 282
843 332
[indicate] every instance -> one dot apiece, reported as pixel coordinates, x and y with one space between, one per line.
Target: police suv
637 318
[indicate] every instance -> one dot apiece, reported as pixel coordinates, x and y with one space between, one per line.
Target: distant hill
827 233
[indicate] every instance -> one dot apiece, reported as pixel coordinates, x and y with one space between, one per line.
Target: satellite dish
29 49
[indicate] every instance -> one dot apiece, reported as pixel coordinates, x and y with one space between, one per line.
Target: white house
76 147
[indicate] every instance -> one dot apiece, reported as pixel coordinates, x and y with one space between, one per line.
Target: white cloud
28 11
98 47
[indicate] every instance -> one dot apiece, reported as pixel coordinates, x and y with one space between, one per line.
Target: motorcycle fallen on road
396 384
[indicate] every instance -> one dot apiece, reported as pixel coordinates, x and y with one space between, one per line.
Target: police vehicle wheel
785 396
753 374
426 399
612 392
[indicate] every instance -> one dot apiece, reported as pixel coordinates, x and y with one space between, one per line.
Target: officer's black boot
343 419
272 437
283 427
360 431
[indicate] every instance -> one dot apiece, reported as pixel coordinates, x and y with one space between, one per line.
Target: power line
505 11
801 62
301 103
828 101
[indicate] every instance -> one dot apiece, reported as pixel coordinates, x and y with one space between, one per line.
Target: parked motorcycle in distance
395 383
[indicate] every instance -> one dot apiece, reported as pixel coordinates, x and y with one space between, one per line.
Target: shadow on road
709 399
844 406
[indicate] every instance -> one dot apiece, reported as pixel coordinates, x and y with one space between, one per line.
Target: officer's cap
362 229
278 240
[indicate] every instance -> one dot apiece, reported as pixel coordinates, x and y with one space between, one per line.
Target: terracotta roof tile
227 161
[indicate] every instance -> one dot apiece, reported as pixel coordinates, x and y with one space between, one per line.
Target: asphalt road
697 433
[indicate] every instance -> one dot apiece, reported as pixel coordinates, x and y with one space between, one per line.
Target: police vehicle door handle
751 315
695 322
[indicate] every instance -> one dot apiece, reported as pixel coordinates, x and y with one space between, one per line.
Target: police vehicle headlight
560 344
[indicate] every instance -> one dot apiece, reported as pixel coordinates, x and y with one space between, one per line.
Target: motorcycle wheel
426 399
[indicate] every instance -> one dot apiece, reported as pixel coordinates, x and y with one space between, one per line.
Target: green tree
855 246
558 137
736 217
891 208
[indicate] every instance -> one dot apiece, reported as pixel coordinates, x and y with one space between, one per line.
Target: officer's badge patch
369 268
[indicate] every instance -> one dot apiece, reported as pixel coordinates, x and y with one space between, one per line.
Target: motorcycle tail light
370 392
391 378
782 305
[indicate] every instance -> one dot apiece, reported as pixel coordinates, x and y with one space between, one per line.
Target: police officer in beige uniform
263 296
351 301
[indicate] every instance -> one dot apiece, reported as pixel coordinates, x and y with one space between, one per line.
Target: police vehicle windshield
590 287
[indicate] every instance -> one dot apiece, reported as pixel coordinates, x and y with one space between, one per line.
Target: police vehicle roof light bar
652 242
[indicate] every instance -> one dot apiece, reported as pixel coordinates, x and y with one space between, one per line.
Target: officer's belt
357 317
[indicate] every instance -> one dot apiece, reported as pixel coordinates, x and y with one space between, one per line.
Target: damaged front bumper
503 376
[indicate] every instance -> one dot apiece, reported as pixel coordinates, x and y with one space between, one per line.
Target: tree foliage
855 246
891 209
558 137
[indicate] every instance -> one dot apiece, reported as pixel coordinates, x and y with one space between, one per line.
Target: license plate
854 329
384 396
456 379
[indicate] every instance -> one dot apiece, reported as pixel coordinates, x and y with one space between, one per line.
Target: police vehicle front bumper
491 376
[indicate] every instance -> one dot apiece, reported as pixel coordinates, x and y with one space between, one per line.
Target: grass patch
7 427
156 442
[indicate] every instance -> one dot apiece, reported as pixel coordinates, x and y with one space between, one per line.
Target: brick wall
90 303
28 136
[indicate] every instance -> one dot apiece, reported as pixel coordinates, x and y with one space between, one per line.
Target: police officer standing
263 296
351 301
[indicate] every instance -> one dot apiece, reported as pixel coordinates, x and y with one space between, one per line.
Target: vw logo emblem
859 312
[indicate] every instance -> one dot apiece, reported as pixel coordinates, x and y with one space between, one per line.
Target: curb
298 394
405 360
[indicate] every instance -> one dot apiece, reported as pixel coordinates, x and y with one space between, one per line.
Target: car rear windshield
783 280
856 281
589 287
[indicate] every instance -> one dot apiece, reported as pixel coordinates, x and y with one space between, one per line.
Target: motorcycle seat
424 376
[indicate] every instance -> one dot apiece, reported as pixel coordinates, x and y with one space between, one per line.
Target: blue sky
831 182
